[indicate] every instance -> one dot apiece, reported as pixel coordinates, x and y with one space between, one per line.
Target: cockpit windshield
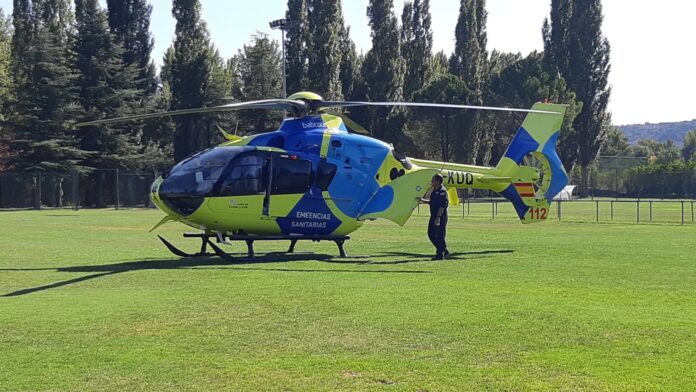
196 175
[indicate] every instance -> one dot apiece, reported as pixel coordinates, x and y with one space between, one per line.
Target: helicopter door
242 185
291 178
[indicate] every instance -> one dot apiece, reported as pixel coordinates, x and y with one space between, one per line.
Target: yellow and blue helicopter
313 179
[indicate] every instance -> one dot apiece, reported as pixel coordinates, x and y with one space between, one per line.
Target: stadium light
283 25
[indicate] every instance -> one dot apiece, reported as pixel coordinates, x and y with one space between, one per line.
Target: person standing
437 225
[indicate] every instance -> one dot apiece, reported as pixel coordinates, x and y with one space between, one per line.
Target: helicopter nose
174 194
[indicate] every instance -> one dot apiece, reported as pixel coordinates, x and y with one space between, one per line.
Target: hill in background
661 132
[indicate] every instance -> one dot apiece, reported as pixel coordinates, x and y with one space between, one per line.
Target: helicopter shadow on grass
242 264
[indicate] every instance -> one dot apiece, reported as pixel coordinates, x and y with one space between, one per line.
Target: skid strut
249 240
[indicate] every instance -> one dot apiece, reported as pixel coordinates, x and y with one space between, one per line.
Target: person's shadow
103 270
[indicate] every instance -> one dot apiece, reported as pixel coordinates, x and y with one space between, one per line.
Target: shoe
447 253
438 258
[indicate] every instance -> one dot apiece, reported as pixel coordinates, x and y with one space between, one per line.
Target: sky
653 59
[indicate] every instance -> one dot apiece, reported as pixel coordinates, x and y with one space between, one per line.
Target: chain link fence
632 177
96 189
681 212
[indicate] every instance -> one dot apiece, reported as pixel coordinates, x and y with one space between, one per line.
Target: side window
245 176
325 174
291 176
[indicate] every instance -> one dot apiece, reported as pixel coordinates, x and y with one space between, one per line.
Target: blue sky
653 59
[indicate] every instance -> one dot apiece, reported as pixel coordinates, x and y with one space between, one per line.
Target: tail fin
532 190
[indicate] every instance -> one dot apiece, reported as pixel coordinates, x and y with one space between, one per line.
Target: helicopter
321 176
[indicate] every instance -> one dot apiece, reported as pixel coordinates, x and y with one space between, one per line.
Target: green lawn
96 303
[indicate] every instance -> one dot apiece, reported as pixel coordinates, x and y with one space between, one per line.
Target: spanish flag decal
525 189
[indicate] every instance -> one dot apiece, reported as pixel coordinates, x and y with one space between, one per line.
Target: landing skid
206 241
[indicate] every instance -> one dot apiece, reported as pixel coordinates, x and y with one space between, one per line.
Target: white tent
566 193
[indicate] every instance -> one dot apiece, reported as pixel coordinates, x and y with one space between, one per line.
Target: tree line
64 61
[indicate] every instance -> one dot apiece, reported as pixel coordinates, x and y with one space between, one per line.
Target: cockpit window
197 175
245 175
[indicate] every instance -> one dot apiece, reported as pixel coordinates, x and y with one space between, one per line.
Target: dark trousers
438 234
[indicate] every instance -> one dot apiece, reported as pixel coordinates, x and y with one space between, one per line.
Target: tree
296 42
616 143
325 57
41 139
555 33
520 82
436 130
106 89
469 61
580 52
23 34
350 65
383 72
190 71
6 86
260 77
440 64
129 21
689 147
417 45
657 152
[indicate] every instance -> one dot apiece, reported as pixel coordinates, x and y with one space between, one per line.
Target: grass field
91 301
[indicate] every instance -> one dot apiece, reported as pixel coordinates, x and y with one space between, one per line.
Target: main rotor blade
352 104
267 104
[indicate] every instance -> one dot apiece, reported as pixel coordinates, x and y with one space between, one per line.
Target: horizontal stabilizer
397 200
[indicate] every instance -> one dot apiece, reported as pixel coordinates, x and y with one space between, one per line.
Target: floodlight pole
283 25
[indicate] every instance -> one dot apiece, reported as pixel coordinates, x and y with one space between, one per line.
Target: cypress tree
297 39
470 62
23 24
581 53
325 57
383 71
58 18
129 21
350 65
190 71
556 39
417 45
470 56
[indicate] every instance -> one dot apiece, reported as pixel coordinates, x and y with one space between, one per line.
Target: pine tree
689 146
129 21
190 71
260 77
518 81
105 86
6 86
383 71
325 57
580 52
43 94
44 106
297 39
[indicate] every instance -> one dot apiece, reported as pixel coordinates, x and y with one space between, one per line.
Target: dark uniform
438 199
